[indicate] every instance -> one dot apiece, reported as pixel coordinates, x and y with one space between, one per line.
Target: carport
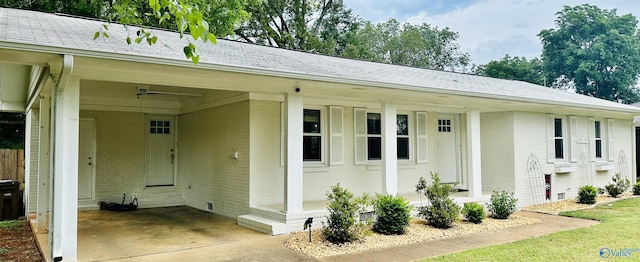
158 233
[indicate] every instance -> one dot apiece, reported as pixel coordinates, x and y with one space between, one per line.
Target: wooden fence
12 165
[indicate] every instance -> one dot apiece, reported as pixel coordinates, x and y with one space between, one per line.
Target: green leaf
195 59
96 35
105 27
128 40
105 35
212 38
187 51
138 40
154 39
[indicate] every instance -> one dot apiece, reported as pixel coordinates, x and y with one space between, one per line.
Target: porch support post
474 166
64 211
42 184
293 110
28 143
389 149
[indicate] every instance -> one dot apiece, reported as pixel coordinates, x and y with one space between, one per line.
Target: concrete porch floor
159 234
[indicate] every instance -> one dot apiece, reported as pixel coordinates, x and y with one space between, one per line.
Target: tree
320 26
411 45
514 68
11 131
595 50
85 8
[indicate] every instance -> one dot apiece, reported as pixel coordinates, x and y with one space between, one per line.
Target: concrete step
262 224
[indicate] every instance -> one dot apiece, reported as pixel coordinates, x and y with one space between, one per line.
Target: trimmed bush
636 189
502 205
619 186
393 214
442 211
473 212
341 223
587 194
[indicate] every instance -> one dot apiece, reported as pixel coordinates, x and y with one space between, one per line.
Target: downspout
58 88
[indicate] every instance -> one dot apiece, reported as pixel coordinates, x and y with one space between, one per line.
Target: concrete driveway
172 234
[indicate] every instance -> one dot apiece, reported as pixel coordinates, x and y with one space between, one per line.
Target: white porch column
293 118
28 124
42 185
64 211
389 149
474 167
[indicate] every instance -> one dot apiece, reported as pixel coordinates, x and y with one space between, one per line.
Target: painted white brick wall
267 175
497 134
33 172
208 140
120 161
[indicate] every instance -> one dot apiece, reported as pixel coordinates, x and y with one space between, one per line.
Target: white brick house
260 134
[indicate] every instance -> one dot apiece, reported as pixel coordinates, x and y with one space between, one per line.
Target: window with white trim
312 135
558 138
597 128
374 136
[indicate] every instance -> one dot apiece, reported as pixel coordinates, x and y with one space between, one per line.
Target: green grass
11 224
619 229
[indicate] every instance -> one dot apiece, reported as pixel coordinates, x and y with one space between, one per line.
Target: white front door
448 167
86 161
160 151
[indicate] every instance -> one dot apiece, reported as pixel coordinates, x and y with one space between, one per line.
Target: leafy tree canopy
411 45
514 68
321 26
595 50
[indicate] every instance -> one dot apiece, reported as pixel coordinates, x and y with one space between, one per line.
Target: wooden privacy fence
12 165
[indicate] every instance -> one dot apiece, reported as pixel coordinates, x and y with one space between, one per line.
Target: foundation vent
210 206
560 196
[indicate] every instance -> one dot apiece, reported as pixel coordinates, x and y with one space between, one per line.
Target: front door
160 151
448 168
86 161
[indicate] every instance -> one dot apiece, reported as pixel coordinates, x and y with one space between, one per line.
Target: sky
488 29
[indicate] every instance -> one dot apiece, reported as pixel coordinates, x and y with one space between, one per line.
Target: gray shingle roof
46 32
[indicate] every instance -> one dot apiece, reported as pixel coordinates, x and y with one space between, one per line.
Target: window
159 127
374 136
598 138
558 138
312 135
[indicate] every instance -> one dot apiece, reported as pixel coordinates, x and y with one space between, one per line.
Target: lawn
617 235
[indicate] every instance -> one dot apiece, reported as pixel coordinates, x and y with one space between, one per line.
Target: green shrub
341 223
473 212
502 205
618 187
393 214
442 211
587 194
636 189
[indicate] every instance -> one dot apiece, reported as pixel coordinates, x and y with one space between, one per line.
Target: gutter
58 87
299 76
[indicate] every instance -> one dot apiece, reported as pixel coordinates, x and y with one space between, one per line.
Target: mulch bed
18 244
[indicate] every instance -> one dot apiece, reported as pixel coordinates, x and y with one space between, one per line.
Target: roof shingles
50 30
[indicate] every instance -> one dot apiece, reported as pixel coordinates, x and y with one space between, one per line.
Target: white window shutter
360 135
336 135
610 142
573 137
422 146
551 146
592 138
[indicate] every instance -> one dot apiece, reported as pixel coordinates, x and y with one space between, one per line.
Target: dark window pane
403 148
599 148
597 127
559 149
558 127
311 121
153 130
166 130
373 124
311 148
402 124
375 148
